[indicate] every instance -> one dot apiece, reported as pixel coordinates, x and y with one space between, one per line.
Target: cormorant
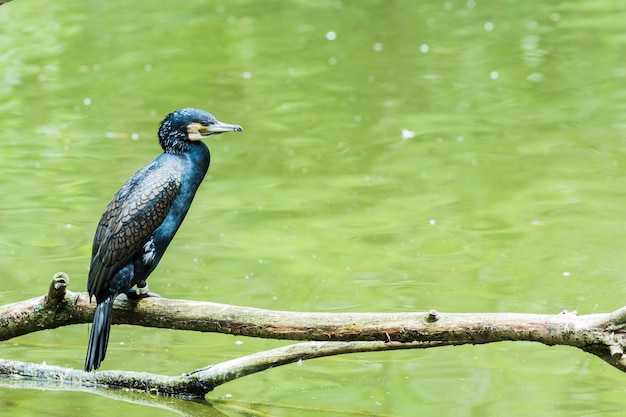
143 217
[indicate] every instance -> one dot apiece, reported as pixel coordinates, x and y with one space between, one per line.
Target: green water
505 193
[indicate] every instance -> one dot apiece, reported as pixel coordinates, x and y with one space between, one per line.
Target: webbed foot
138 293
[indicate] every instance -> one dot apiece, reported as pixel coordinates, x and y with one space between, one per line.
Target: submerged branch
197 383
329 334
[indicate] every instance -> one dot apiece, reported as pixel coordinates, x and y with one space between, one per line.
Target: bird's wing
129 220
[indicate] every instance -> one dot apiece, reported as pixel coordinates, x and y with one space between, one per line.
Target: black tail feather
99 338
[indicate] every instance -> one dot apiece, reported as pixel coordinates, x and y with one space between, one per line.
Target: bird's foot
140 292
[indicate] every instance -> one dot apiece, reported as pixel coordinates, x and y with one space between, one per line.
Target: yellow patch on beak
194 131
197 131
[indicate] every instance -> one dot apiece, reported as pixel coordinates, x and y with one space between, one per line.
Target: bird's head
183 126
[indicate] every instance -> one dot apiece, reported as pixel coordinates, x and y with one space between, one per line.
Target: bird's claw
141 292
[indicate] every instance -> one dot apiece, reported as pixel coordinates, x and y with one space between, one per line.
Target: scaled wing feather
129 220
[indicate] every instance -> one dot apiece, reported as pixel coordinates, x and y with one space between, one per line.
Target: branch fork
320 334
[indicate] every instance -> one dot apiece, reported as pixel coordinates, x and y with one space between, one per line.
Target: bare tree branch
329 334
197 383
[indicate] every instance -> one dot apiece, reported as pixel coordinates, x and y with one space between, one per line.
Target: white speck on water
488 26
134 136
247 75
378 46
347 268
535 76
460 138
147 68
424 48
238 342
471 4
566 274
407 134
300 362
87 101
331 36
332 60
432 222
68 226
494 75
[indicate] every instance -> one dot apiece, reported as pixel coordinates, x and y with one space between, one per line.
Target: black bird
143 217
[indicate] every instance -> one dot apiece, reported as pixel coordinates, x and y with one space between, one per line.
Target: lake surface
467 156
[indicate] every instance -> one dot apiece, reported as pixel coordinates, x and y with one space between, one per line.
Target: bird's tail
99 338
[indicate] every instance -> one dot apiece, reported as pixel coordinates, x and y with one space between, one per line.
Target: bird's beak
219 127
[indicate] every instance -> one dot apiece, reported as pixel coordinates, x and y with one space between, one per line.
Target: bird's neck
188 147
198 155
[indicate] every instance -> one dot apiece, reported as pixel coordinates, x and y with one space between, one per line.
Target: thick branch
600 334
74 308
